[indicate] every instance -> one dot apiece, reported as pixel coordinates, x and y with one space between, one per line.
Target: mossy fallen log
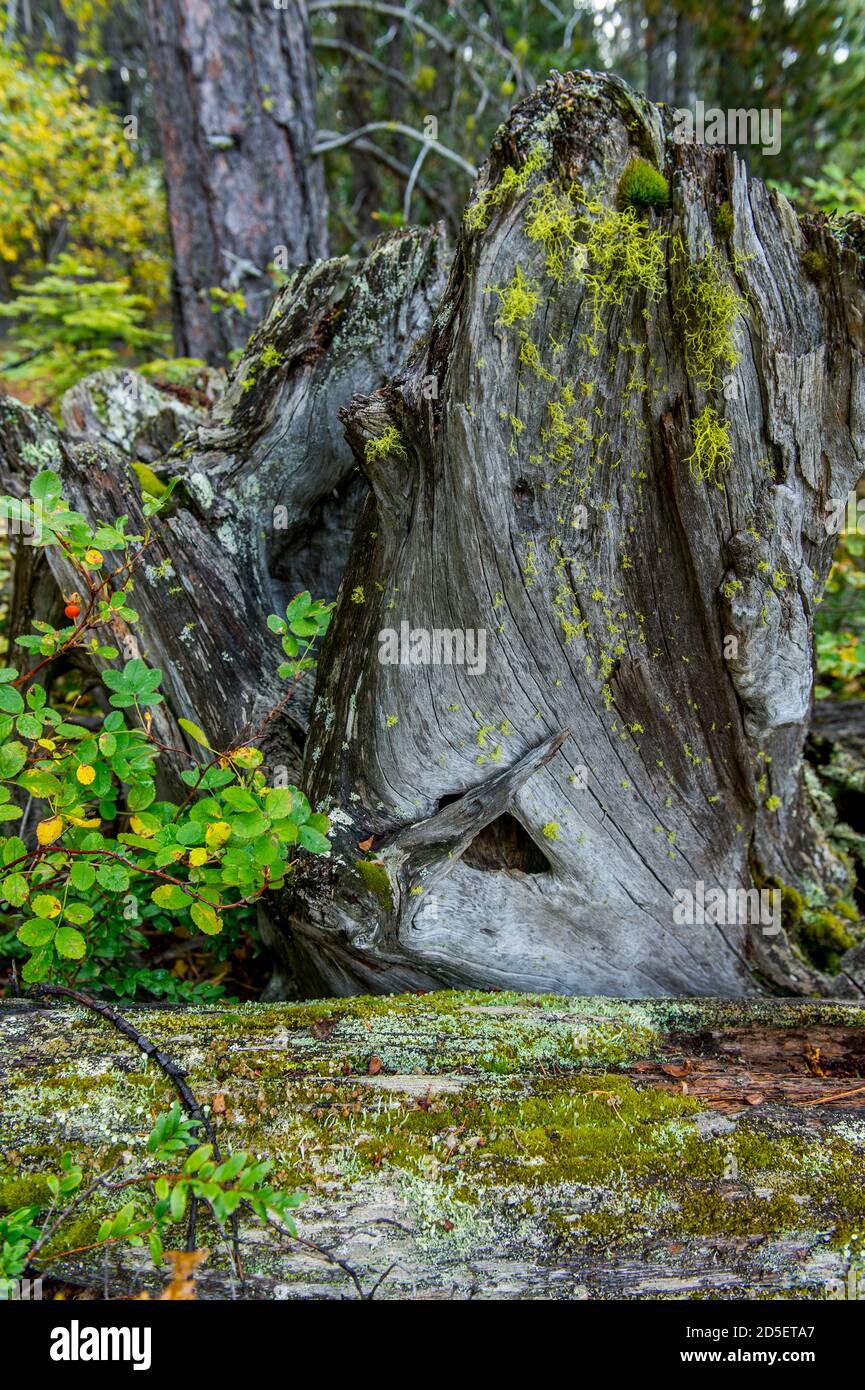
470 1145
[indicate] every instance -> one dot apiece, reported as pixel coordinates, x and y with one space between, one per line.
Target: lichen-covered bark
267 495
234 91
479 1145
667 625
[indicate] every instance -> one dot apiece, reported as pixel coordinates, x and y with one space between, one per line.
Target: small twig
171 1069
837 1095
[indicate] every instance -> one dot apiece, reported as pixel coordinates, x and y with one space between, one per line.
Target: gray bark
267 495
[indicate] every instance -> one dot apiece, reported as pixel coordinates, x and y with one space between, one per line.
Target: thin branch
412 181
395 128
394 11
340 45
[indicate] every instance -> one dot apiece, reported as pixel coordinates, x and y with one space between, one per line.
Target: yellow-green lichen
706 309
388 444
713 450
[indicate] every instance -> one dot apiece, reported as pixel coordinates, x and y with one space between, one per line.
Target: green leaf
39 783
8 813
83 876
79 913
15 889
299 605
29 726
38 967
13 756
240 799
206 919
313 840
249 824
177 1202
11 700
13 849
45 487
113 877
170 896
37 932
70 943
194 732
278 803
190 833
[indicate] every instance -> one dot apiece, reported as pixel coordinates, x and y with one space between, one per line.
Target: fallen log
471 1145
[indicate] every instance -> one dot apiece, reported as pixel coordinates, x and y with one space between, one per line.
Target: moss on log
479 1145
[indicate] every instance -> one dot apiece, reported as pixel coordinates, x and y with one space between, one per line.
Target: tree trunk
235 105
470 1146
636 734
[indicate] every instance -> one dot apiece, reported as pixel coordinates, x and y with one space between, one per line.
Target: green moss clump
375 878
706 308
814 265
724 222
29 1190
390 442
642 186
712 448
825 937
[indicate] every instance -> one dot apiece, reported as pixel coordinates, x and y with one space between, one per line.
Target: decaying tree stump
559 493
590 554
475 1146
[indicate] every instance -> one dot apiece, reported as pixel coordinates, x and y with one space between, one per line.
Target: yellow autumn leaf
217 834
85 774
93 557
84 823
198 856
141 828
48 830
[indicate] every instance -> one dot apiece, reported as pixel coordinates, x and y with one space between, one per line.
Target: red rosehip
72 610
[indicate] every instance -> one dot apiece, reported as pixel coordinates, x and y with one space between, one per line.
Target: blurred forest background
85 249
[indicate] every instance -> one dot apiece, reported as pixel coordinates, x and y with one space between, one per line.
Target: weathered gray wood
268 495
478 1146
615 629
